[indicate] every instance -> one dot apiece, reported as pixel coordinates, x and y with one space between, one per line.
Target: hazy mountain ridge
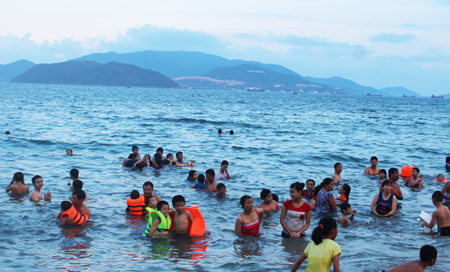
11 70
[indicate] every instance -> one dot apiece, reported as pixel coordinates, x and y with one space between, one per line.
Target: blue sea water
279 138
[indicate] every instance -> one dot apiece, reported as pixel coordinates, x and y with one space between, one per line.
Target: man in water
372 169
337 172
78 198
19 187
428 256
179 155
36 195
148 191
69 152
394 175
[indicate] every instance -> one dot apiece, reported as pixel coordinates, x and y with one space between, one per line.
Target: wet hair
220 186
317 189
417 169
132 156
438 196
439 175
231 132
326 181
147 200
74 173
386 182
275 197
447 159
71 151
135 194
161 204
7 132
345 206
428 253
264 193
201 178
337 164
65 205
80 194
18 176
160 149
77 184
224 162
191 174
310 180
134 147
179 152
326 225
382 171
219 131
158 159
178 198
169 155
211 172
33 180
373 158
147 183
347 189
298 186
243 199
392 171
149 157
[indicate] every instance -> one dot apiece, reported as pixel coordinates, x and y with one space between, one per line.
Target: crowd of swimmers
295 216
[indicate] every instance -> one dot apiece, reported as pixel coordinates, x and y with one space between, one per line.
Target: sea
280 138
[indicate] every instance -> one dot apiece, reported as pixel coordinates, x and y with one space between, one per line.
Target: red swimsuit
252 228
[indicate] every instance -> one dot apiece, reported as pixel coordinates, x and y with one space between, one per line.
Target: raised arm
8 188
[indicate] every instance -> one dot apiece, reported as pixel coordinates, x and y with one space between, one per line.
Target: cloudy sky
374 43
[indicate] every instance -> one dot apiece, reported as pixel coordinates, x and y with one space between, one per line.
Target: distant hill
346 84
92 73
11 70
178 63
399 91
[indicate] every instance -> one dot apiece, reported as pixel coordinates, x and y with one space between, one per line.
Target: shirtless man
372 169
36 195
179 156
337 172
148 191
428 256
394 175
268 203
446 192
441 215
19 187
78 198
182 216
210 181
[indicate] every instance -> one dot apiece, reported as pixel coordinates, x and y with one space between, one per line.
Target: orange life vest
136 206
77 217
342 198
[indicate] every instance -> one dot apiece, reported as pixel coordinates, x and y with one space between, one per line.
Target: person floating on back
441 215
36 195
428 256
346 210
135 204
372 169
19 187
161 220
268 203
182 218
69 215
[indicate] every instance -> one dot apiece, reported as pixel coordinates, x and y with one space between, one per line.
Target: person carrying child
346 210
441 215
69 215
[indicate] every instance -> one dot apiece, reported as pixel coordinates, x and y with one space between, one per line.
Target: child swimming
414 181
346 211
382 174
182 217
269 204
440 178
441 215
200 184
344 191
322 251
161 222
221 190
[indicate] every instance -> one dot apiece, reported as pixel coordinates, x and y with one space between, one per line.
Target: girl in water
382 174
249 221
192 177
322 250
414 181
344 191
316 192
325 199
384 203
146 160
294 212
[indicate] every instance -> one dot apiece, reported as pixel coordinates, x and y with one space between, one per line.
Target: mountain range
11 70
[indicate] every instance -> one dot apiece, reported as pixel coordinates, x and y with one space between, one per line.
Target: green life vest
165 224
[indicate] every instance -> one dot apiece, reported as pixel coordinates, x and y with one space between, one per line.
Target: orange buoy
406 171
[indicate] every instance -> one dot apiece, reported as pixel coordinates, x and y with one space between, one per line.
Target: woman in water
384 203
325 199
322 251
249 221
344 191
414 181
145 160
294 212
192 177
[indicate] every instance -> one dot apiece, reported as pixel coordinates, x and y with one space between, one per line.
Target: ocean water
279 138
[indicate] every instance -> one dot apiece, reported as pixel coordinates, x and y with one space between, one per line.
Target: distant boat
433 96
373 94
256 90
408 95
339 93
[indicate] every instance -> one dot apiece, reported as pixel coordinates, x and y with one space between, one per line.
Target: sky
374 43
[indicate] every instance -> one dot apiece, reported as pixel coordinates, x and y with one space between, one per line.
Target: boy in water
346 210
133 156
36 195
337 172
221 190
162 207
77 185
182 217
73 175
269 204
78 198
441 215
372 169
19 187
179 156
210 182
223 172
170 161
428 256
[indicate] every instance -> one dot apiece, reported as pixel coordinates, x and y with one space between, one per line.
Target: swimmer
309 191
441 215
211 184
200 184
446 192
182 218
135 204
36 195
384 203
223 172
372 169
394 175
19 187
414 181
69 215
192 177
382 174
78 198
7 133
440 178
73 175
294 212
157 160
346 210
337 172
161 225
268 203
428 256
344 191
147 160
219 131
69 152
133 156
231 132
160 150
221 190
151 203
179 156
170 161
148 190
249 221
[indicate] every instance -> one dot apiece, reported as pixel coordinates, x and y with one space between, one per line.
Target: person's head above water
178 198
33 180
18 177
220 131
158 159
428 254
192 175
77 185
231 132
447 160
169 156
265 193
74 173
440 177
133 156
246 202
148 188
161 204
338 167
135 149
160 150
374 161
346 190
179 156
7 132
135 194
201 178
65 205
211 173
437 196
328 184
394 174
78 195
69 152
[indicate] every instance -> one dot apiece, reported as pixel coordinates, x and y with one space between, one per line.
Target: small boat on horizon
373 94
408 95
433 96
